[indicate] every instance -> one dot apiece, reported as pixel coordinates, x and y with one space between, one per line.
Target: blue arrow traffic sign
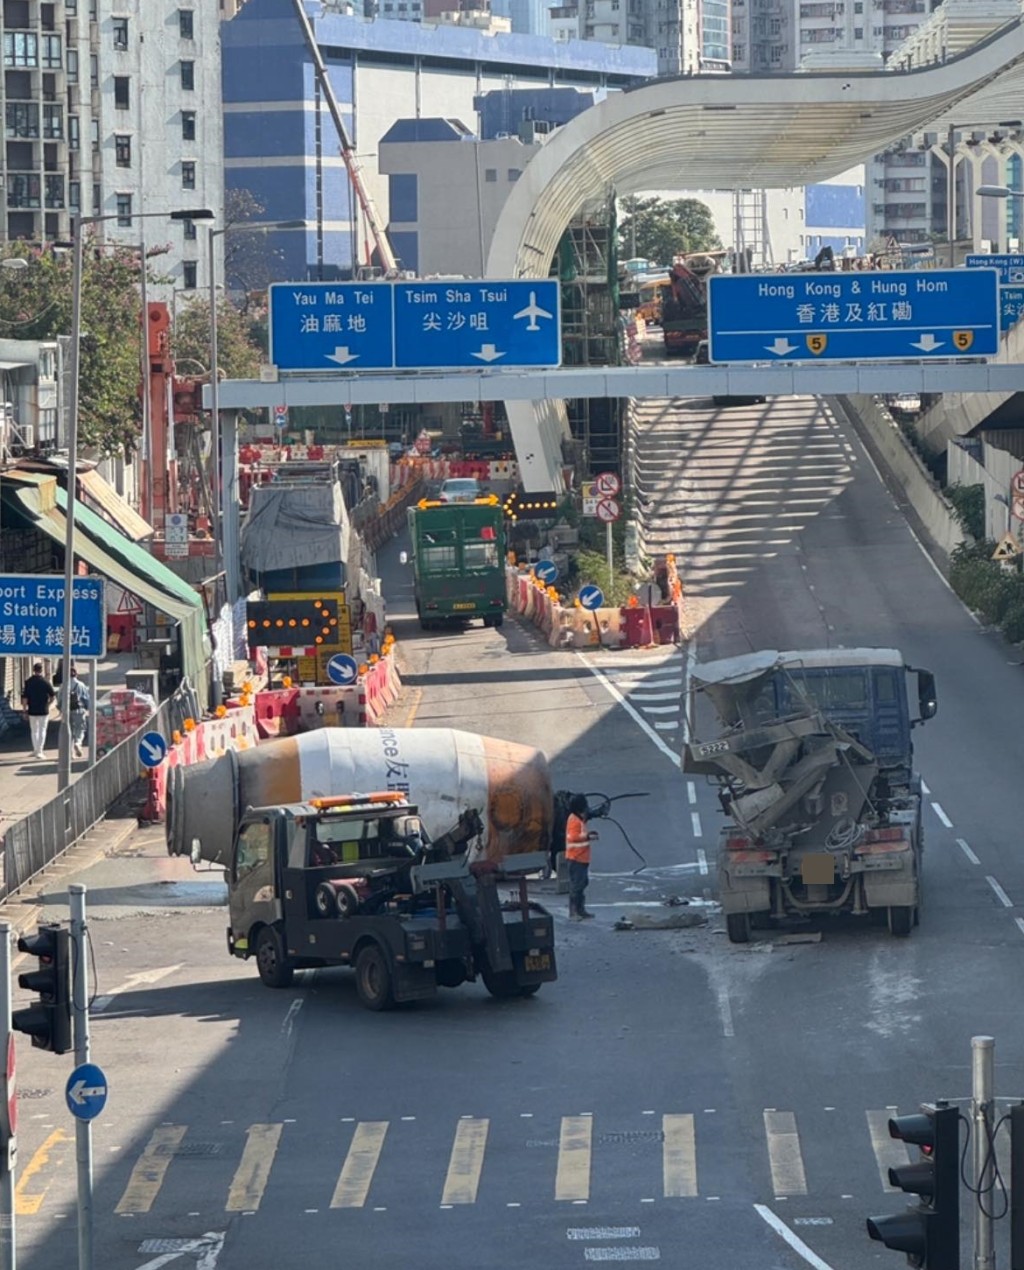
590 597
152 749
547 571
876 315
342 670
86 1091
476 323
1011 268
331 326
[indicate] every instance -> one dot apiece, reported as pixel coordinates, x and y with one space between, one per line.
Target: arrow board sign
86 1091
866 315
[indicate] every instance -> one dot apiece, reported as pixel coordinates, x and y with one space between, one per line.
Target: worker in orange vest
577 851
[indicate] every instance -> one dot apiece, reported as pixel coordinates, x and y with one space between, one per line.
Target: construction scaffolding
588 272
752 239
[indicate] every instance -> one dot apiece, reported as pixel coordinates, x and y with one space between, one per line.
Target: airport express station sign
32 616
429 325
876 315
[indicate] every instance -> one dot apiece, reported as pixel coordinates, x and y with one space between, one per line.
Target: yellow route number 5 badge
963 340
817 344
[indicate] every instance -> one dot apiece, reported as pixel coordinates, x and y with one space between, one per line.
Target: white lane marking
634 714
924 788
654 696
133 981
1020 924
936 807
967 851
622 1254
603 1232
702 861
659 709
289 1018
794 1240
1001 895
695 822
691 791
665 727
725 1011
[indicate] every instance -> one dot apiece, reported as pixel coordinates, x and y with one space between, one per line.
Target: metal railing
46 833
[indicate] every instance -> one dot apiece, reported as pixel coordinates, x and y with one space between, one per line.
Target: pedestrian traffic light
929 1231
48 1020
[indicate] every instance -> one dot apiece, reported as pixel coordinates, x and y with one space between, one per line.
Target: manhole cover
630 1136
197 1149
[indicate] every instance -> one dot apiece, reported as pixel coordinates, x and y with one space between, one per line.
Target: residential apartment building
111 108
689 37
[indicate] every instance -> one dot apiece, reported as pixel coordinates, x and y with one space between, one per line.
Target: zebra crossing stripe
889 1152
466 1162
679 1156
572 1179
150 1169
253 1172
360 1165
784 1156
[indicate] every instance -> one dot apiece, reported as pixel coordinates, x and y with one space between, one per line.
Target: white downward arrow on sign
341 356
928 343
488 353
781 347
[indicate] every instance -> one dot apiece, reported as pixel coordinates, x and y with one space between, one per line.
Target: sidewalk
25 782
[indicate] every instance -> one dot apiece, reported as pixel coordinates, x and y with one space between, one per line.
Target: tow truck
354 880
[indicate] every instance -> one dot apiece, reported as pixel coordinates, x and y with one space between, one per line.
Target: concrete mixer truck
382 849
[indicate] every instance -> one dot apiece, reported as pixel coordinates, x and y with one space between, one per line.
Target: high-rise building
689 36
111 109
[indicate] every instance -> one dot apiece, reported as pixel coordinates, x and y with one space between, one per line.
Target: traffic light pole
80 1022
7 1241
982 1101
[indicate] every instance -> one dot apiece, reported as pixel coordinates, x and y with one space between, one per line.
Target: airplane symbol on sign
533 311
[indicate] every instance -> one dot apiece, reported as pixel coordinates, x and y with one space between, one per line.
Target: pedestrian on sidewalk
577 851
37 695
74 704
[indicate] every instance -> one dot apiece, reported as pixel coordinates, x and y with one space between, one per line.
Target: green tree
661 229
238 354
35 304
250 265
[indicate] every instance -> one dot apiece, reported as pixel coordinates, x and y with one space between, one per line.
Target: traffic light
928 1232
48 1020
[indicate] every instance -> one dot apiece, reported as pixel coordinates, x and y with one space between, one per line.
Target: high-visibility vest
577 840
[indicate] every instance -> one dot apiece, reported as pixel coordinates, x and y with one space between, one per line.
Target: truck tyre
499 620
324 900
373 979
502 984
901 920
275 969
738 927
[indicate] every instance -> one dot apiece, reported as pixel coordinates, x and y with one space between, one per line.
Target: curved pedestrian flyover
727 132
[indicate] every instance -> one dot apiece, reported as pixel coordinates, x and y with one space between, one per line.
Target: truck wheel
738 927
275 969
901 920
503 985
499 620
373 979
324 901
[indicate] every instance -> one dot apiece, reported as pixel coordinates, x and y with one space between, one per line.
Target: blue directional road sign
1011 268
331 326
86 1091
32 615
590 597
152 749
478 322
873 315
547 571
1011 306
342 670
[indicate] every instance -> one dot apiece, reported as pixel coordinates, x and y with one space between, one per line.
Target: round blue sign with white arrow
342 670
546 570
86 1091
152 749
590 597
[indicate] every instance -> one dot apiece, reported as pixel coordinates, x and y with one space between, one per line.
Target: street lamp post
229 565
64 749
999 191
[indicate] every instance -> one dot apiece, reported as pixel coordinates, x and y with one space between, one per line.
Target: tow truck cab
355 880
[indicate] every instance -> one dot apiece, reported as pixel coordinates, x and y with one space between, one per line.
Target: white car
460 489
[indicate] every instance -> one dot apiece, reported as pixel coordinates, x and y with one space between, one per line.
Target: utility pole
80 1022
982 1101
8 1112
